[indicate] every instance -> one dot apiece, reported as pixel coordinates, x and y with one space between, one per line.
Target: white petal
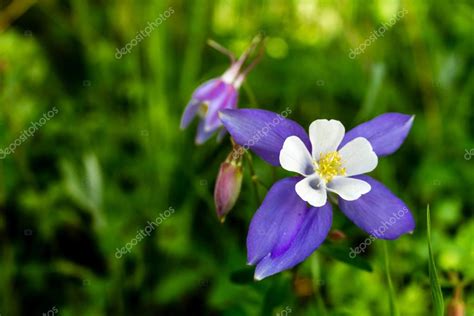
325 136
358 157
349 189
294 156
312 190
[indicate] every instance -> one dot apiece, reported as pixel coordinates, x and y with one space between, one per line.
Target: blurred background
105 154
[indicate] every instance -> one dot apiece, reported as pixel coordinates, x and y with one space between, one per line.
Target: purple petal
227 99
385 132
202 135
189 113
262 131
232 104
284 230
276 221
379 212
209 89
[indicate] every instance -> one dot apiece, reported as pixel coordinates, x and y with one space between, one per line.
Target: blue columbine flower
218 94
295 216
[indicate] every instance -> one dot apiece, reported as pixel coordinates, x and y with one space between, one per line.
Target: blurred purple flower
295 217
218 94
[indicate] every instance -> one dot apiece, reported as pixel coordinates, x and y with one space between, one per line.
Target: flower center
202 111
329 166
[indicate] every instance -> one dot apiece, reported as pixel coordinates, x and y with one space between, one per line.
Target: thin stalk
436 293
257 41
262 184
13 11
257 59
250 95
254 176
221 49
391 292
317 282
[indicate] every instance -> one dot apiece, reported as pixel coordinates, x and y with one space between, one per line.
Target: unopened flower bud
229 181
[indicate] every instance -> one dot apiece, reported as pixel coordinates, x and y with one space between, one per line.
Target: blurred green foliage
114 158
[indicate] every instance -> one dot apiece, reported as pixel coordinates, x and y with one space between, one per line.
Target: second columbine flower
219 94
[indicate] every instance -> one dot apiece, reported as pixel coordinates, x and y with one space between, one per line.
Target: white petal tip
257 278
369 187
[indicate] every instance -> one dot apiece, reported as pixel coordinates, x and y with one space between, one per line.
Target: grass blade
391 292
438 303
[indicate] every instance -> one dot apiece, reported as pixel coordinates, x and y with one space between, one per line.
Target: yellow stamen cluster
329 166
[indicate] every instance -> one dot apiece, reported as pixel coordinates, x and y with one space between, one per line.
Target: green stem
264 185
250 95
317 282
437 294
253 175
391 294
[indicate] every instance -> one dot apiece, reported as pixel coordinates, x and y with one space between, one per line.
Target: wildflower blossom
295 216
217 94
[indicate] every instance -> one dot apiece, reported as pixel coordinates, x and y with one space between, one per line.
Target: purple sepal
208 89
262 131
386 132
202 135
379 212
227 99
189 113
285 231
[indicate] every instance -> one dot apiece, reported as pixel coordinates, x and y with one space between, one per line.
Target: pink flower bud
229 181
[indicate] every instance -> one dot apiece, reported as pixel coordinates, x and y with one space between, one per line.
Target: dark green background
114 158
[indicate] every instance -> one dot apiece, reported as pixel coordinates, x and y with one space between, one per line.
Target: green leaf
341 254
391 292
438 302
